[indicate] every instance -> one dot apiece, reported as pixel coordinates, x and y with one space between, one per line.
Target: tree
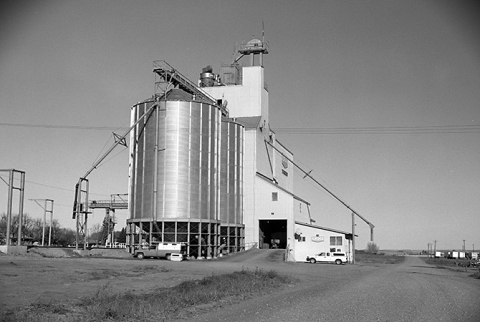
32 228
122 236
372 248
36 229
107 228
3 225
95 234
28 226
64 236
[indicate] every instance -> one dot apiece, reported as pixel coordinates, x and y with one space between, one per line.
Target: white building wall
269 209
246 100
311 240
301 211
283 167
249 188
264 155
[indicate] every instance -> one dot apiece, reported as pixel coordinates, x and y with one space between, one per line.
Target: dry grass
366 258
164 304
455 264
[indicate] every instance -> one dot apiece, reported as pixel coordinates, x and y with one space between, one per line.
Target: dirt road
411 291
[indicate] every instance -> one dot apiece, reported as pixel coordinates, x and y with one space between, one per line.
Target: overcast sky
380 99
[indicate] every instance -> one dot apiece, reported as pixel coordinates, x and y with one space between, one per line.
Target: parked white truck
165 250
326 257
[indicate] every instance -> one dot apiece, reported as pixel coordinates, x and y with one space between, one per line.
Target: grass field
164 304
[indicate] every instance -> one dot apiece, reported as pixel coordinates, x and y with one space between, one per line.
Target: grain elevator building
207 169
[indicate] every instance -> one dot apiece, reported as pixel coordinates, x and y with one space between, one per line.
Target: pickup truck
164 250
337 258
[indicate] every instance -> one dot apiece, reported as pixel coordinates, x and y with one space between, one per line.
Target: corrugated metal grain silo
177 181
231 173
231 182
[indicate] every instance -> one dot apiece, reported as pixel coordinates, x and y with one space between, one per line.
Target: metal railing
166 74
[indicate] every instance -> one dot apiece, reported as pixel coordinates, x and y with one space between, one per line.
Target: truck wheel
312 260
140 256
338 261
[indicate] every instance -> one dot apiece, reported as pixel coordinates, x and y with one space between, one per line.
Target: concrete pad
13 250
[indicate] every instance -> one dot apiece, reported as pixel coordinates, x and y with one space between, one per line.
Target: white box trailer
439 254
457 255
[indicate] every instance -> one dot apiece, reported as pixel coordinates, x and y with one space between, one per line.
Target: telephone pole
353 238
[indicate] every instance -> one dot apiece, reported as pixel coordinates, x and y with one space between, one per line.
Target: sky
379 99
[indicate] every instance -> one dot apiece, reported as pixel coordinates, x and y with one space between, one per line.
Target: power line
54 187
383 130
67 127
302 130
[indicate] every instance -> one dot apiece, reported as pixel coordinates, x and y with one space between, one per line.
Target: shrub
372 248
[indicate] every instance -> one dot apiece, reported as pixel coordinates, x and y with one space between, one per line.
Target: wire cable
67 127
383 130
53 187
472 128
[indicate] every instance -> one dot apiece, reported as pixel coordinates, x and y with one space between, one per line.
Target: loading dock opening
272 234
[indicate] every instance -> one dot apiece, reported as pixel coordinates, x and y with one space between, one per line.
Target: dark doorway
273 234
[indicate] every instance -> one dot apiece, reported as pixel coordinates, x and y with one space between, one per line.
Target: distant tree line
32 231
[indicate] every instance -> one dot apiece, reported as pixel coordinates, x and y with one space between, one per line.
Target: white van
337 258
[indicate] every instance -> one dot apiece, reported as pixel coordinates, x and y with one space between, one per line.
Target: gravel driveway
411 291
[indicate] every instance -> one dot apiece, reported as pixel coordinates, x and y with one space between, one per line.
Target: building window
274 196
336 241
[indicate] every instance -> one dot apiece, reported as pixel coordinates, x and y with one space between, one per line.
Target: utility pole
464 245
435 248
353 238
46 208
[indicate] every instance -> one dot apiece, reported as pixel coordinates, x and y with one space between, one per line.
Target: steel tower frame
11 187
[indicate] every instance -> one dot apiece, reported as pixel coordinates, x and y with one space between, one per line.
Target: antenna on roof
263 32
